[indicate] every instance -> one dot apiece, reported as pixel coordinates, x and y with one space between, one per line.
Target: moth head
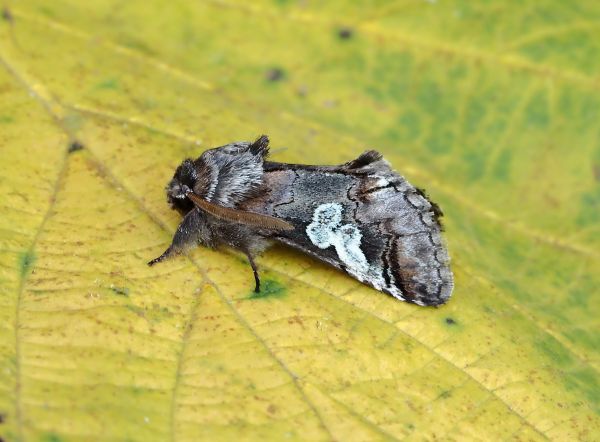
224 175
183 182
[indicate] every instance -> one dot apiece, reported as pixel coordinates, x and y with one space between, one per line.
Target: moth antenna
239 216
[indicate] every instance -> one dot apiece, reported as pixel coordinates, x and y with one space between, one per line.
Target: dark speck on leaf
345 33
2 418
275 74
450 321
445 394
75 146
122 291
7 15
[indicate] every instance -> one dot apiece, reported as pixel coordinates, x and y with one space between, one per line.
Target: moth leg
254 270
188 233
170 251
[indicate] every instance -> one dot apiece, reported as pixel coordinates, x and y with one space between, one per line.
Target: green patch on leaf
51 437
502 167
589 212
121 291
135 44
584 380
537 112
110 83
158 313
154 314
269 289
137 310
26 262
445 394
409 126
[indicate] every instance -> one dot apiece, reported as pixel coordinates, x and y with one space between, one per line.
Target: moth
360 217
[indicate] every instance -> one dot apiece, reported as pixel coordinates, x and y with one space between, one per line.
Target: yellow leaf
493 107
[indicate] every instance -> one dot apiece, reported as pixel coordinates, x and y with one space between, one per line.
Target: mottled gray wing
365 219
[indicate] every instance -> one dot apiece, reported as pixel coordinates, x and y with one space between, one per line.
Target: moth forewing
365 219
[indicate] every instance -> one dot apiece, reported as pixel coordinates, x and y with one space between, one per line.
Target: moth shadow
309 270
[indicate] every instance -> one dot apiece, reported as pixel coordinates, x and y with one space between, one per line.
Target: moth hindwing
360 217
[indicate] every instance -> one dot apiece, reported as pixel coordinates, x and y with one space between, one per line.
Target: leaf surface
492 107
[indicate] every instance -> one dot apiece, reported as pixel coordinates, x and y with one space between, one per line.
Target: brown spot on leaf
596 171
345 33
7 15
275 74
296 320
75 146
